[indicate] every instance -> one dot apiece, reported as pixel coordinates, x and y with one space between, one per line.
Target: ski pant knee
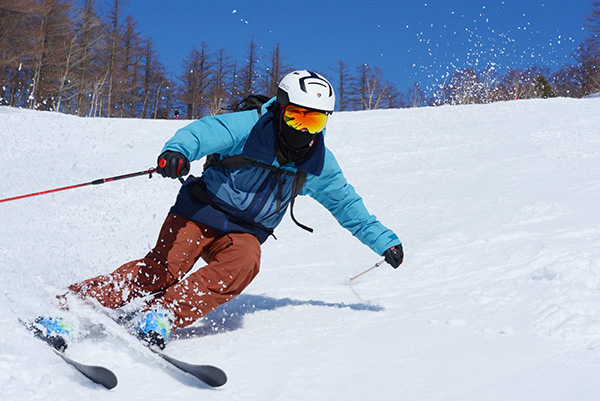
233 262
180 243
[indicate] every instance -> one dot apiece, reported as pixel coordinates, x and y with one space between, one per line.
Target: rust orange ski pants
233 261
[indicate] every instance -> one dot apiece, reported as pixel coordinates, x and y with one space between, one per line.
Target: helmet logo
319 95
316 80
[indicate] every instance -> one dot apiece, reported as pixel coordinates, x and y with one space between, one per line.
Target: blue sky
410 41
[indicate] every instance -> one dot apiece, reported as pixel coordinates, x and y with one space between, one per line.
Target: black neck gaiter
293 145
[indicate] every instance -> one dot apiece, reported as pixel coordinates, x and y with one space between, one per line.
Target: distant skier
176 114
257 162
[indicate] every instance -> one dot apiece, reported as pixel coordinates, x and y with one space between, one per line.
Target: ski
208 374
97 374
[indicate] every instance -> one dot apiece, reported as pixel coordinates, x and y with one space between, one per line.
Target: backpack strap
238 161
227 162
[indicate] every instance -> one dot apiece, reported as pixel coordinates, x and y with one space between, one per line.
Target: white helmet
307 89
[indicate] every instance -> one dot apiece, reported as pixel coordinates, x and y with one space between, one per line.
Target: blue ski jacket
253 199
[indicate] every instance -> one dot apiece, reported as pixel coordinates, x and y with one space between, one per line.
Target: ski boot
154 326
55 331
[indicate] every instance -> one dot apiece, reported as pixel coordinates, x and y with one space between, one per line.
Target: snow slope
499 297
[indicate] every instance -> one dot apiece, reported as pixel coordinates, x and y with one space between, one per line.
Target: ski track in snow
498 299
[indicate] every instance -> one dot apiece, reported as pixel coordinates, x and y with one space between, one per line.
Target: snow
499 297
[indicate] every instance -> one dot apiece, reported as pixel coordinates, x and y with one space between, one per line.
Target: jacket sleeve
223 134
333 191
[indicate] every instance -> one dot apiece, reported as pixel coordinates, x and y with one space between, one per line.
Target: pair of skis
208 374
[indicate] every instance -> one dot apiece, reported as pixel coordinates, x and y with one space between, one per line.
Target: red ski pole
95 182
368 270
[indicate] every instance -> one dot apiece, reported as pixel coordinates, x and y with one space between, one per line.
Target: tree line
54 56
89 61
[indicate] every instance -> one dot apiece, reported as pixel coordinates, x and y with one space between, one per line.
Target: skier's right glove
172 164
394 256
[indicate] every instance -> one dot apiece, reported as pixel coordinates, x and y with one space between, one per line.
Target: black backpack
251 102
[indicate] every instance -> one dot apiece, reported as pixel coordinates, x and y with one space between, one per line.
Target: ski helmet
307 89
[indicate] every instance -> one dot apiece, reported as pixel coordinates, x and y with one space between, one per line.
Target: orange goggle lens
300 118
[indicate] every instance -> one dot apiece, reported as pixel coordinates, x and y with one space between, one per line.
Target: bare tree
112 46
371 90
153 83
88 67
220 97
519 84
585 74
249 72
274 72
128 92
52 37
65 84
197 69
594 22
393 98
416 96
18 19
345 83
583 77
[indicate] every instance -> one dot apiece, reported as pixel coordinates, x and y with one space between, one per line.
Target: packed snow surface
498 208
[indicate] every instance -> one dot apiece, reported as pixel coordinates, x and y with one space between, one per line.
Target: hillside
498 298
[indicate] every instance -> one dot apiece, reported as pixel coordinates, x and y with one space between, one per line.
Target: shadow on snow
230 316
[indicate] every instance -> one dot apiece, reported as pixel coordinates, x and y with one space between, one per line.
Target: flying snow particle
234 11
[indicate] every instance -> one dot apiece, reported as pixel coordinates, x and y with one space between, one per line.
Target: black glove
394 256
172 164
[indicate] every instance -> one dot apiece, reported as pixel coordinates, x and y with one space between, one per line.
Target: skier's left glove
173 164
394 256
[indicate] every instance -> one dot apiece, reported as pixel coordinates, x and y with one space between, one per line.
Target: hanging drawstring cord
279 191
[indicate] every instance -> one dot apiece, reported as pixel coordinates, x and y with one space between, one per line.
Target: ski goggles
301 118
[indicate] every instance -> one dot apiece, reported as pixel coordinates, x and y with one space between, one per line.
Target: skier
257 162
